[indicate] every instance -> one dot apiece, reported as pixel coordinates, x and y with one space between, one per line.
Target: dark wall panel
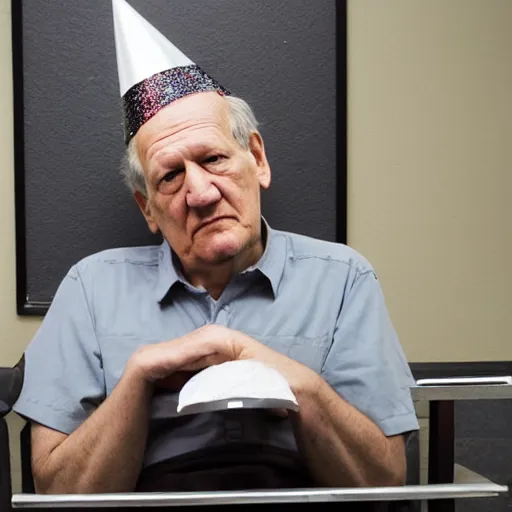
280 56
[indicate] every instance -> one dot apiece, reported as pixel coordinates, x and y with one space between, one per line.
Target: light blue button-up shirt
317 302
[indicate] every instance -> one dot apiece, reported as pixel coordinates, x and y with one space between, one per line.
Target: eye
170 176
171 181
214 159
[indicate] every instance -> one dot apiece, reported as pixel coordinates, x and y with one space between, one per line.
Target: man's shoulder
302 247
119 257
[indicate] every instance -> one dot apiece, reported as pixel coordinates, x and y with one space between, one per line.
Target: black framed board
287 59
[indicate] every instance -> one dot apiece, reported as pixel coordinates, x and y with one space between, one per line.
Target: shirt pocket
115 352
310 351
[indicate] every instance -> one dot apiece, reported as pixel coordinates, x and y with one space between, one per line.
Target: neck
215 278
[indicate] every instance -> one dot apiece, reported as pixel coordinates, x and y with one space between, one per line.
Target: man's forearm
105 453
342 447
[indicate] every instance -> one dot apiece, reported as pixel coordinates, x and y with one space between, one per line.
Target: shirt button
222 316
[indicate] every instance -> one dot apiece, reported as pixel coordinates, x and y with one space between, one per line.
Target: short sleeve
64 381
366 365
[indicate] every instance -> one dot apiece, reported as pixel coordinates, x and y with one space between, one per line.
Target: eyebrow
198 148
172 159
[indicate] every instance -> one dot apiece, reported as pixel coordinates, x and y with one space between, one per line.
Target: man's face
203 188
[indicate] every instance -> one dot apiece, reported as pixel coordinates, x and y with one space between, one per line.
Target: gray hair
243 125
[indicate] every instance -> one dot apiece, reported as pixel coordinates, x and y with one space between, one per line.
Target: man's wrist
134 375
308 386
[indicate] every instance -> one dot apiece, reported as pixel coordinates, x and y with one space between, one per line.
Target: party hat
153 72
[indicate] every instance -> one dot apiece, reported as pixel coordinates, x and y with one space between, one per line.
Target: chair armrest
11 381
5 468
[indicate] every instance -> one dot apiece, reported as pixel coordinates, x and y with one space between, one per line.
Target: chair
5 468
11 380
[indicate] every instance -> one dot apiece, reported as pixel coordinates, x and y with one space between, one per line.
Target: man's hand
171 363
342 446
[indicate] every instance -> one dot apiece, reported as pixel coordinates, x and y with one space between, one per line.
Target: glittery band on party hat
142 101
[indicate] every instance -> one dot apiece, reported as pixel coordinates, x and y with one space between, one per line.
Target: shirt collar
168 272
271 264
272 261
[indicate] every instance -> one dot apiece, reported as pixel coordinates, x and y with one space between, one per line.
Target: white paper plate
235 385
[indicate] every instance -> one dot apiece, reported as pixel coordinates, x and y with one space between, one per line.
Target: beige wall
430 166
430 138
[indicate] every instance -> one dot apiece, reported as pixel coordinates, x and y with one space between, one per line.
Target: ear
145 208
257 149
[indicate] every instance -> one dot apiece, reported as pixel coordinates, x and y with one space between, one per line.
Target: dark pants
241 467
228 468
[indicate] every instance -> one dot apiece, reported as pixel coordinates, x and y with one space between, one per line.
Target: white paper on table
234 385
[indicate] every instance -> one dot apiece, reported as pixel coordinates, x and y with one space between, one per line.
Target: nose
201 192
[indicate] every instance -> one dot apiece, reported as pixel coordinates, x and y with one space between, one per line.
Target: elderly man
127 327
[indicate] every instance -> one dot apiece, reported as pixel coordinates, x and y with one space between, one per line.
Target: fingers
175 381
206 346
205 362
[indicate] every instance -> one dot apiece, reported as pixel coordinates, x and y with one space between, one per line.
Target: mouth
212 221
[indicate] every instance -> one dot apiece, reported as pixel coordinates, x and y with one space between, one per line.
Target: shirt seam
356 267
410 413
93 323
34 410
346 291
132 262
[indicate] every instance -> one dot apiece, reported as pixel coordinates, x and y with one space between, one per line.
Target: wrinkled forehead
194 113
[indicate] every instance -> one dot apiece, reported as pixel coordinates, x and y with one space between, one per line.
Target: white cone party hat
152 71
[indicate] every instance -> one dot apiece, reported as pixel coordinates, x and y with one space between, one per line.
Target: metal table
376 494
441 400
465 392
441 492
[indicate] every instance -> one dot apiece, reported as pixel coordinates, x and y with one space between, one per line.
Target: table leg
441 450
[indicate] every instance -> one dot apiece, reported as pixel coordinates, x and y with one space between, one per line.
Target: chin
221 247
217 255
